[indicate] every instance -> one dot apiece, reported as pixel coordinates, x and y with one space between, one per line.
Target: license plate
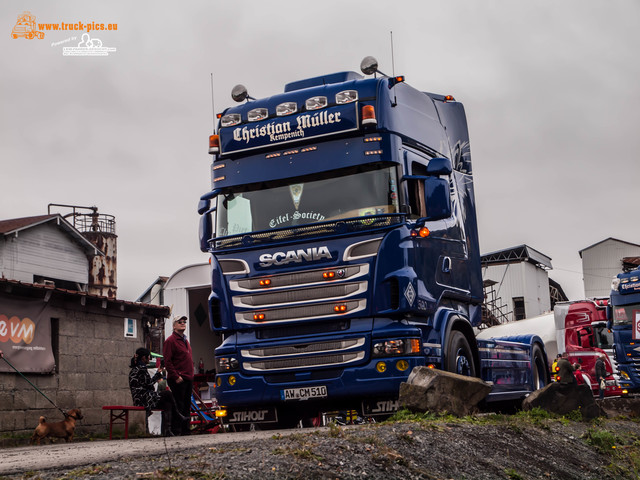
304 393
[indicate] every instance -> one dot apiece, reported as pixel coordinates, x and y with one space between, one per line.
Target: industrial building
602 261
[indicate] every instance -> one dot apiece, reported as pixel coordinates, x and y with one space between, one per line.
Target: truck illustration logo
26 27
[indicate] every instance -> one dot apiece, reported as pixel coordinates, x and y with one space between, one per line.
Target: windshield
626 314
355 195
604 338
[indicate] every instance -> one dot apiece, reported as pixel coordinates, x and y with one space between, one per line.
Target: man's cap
177 319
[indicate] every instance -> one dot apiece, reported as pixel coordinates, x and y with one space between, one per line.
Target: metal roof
521 253
606 239
47 292
15 225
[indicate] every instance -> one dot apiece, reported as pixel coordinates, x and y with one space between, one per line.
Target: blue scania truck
344 249
624 322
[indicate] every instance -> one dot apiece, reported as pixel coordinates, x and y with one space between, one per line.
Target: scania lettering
341 228
624 322
282 258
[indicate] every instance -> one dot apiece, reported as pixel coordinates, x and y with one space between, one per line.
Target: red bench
119 413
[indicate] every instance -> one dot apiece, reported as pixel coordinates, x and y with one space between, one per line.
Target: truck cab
624 321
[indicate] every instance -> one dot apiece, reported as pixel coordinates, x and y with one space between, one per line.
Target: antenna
213 108
393 70
393 62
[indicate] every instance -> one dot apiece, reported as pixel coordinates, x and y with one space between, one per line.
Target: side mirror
203 205
439 166
206 229
437 198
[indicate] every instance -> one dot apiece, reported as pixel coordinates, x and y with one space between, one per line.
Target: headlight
286 108
230 120
227 364
257 114
399 346
346 96
315 103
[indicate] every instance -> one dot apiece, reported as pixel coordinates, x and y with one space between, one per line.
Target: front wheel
538 368
459 355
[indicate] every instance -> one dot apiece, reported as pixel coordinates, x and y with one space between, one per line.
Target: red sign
636 324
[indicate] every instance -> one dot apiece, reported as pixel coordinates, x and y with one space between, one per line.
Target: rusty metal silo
100 230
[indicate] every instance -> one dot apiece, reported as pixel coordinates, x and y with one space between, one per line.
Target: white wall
601 263
521 279
43 250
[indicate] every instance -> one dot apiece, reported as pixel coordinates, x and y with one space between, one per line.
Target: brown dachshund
62 429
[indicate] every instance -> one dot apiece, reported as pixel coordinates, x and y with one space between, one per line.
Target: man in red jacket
178 361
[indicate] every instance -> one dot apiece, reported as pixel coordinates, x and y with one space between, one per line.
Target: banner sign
25 336
275 131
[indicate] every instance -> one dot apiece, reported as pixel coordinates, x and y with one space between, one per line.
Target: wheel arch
454 321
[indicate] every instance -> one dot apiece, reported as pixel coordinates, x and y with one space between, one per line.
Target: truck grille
309 295
283 301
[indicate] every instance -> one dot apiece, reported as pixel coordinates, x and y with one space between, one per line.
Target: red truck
578 328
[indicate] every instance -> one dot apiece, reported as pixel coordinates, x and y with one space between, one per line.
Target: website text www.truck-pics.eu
78 26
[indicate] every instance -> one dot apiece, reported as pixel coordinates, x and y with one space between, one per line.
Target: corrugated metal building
601 262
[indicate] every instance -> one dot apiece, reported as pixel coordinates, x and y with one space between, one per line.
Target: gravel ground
471 448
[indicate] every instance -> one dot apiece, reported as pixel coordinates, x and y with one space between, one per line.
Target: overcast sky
551 90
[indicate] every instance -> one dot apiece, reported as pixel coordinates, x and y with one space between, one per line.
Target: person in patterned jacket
144 394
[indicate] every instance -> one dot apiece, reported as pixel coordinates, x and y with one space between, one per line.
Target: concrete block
73 381
428 389
67 363
564 398
24 399
45 381
6 401
42 402
7 421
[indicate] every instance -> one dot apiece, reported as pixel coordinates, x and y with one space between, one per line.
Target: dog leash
37 389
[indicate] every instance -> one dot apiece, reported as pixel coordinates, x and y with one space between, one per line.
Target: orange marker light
424 232
368 115
328 275
265 282
340 308
214 144
258 316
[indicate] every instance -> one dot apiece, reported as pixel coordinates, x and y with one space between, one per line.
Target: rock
621 406
428 389
562 399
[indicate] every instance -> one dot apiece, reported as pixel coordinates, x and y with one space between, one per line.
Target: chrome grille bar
304 362
303 312
307 348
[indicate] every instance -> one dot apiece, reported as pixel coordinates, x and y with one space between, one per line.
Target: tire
459 355
539 376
